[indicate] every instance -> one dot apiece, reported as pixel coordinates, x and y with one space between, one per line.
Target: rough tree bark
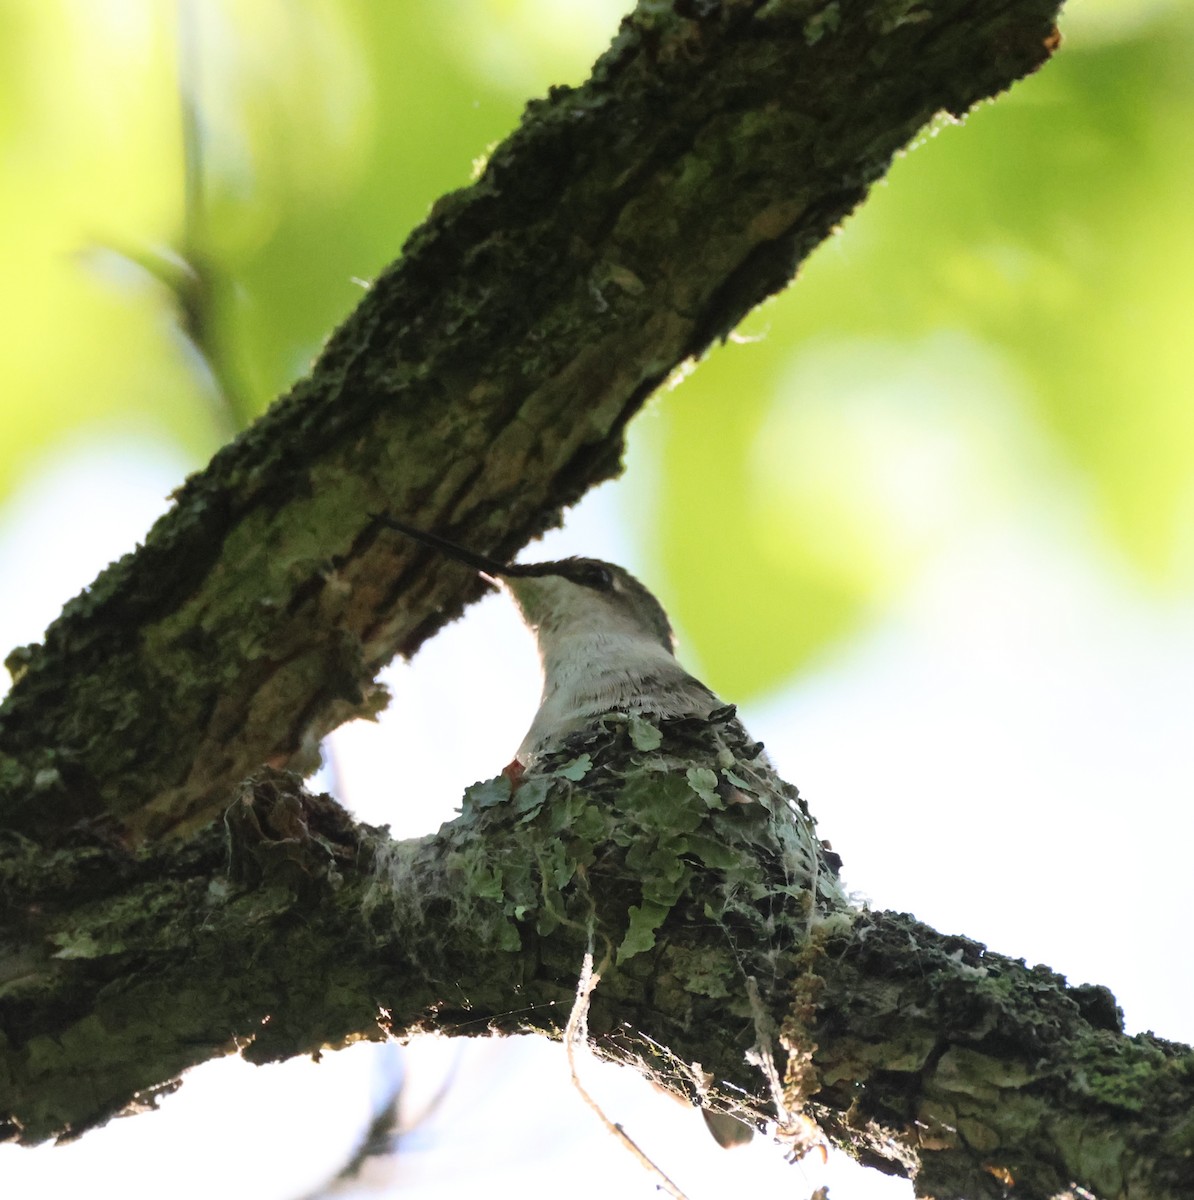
483 384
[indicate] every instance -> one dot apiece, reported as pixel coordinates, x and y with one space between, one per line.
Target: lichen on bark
158 910
485 381
287 928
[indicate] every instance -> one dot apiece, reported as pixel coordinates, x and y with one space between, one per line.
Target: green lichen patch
634 825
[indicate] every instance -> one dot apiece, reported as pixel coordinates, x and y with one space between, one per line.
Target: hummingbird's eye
594 575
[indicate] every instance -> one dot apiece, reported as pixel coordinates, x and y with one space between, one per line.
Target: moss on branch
286 929
483 383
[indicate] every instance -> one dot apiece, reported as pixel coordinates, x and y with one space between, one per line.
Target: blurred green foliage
1004 330
1005 324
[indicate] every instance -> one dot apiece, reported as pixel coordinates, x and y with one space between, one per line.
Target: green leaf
704 783
664 802
575 770
530 798
710 851
562 872
737 780
643 734
645 919
487 793
668 885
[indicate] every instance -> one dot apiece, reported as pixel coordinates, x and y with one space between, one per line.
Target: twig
577 1030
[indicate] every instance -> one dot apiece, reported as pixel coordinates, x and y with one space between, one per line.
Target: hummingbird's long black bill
487 566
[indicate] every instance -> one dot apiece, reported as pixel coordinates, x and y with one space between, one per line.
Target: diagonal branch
482 384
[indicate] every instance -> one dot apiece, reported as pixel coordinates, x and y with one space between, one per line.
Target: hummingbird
605 643
606 647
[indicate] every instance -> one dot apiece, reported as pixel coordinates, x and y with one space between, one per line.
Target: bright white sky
1007 755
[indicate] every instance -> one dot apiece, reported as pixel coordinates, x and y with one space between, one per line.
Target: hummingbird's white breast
598 671
605 645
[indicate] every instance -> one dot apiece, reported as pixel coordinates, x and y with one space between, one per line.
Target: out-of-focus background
928 517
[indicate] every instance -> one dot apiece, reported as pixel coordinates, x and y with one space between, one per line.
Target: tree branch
482 384
293 930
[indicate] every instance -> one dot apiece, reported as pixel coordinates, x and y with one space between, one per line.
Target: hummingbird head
584 595
605 642
570 596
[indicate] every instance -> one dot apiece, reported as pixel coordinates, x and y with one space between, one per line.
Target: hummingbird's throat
596 672
605 642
